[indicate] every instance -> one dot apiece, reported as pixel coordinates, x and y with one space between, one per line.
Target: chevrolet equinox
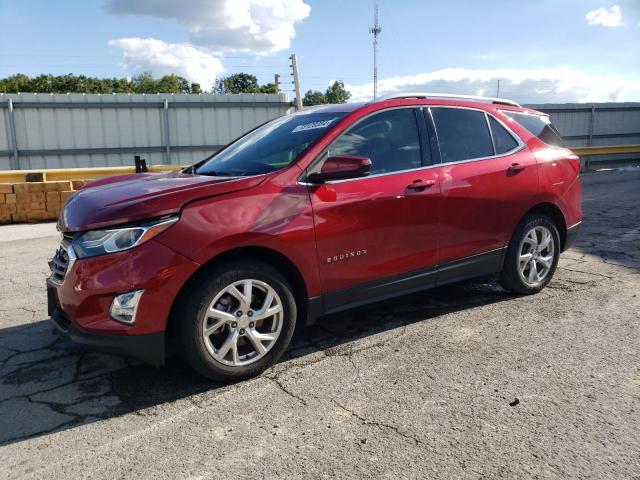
312 213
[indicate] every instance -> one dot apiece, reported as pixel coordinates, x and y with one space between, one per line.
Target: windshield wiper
213 173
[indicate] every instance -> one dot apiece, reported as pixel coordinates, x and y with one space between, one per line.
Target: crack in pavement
277 381
382 425
588 273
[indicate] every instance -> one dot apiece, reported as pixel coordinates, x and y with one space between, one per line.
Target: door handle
420 185
516 167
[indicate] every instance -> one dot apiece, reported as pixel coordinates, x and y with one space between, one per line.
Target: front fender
270 216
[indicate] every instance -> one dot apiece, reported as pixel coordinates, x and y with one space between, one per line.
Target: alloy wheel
537 251
243 322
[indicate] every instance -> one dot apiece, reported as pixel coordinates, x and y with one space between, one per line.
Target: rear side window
503 141
538 125
462 134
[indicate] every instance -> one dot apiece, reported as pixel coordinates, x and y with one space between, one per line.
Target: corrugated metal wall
597 124
76 130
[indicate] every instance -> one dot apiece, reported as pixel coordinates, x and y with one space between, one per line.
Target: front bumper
79 304
149 348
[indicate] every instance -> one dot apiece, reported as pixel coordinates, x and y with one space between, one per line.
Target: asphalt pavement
466 381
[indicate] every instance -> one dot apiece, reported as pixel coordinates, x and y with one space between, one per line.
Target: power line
64 66
64 55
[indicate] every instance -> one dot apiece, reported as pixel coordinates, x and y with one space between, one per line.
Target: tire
520 277
225 354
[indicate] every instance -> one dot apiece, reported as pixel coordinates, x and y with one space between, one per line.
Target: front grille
61 261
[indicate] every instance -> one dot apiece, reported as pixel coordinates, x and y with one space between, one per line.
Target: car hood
129 198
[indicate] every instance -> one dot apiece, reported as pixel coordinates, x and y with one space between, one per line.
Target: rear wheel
532 256
238 322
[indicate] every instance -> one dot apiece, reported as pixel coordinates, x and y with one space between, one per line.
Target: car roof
331 108
422 99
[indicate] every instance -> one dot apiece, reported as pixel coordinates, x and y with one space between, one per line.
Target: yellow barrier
607 150
57 174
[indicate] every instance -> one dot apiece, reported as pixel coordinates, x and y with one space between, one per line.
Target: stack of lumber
35 201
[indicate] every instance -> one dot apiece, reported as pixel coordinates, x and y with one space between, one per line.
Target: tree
268 88
15 83
173 84
314 97
120 85
336 93
144 83
237 83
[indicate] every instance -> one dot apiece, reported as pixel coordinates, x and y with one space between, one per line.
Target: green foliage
335 93
146 83
15 83
268 88
143 83
314 97
242 83
173 84
237 83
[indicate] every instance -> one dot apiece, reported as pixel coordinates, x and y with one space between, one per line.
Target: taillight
574 161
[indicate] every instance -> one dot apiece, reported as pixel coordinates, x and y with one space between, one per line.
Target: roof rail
476 98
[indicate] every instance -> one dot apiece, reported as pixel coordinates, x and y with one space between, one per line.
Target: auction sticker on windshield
313 125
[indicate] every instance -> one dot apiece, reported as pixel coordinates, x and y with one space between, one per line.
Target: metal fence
597 124
77 130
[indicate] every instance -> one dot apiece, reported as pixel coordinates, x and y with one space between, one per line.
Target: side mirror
341 167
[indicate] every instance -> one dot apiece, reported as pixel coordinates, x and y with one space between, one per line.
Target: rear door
371 230
487 180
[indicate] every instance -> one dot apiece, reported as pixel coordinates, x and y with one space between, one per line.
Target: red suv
309 214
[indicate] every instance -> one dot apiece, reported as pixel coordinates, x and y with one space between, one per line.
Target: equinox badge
347 255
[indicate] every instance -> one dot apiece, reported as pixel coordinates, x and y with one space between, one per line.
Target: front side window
538 125
462 134
390 139
503 141
271 146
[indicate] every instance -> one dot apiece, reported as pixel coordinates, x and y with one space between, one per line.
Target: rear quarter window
502 139
538 125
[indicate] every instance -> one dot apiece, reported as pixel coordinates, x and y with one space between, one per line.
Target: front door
378 235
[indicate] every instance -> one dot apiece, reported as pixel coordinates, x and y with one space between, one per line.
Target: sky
543 51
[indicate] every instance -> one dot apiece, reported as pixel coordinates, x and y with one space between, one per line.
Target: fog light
124 307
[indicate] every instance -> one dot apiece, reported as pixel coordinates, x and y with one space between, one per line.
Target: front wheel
238 322
532 256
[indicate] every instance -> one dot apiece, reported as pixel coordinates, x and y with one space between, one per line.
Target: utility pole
296 81
276 82
498 89
375 31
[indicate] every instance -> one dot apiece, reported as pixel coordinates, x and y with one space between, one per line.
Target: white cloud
611 17
539 85
256 26
161 58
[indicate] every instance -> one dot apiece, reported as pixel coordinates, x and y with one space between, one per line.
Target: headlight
101 242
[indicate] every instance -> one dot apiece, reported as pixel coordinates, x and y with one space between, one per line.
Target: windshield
271 146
